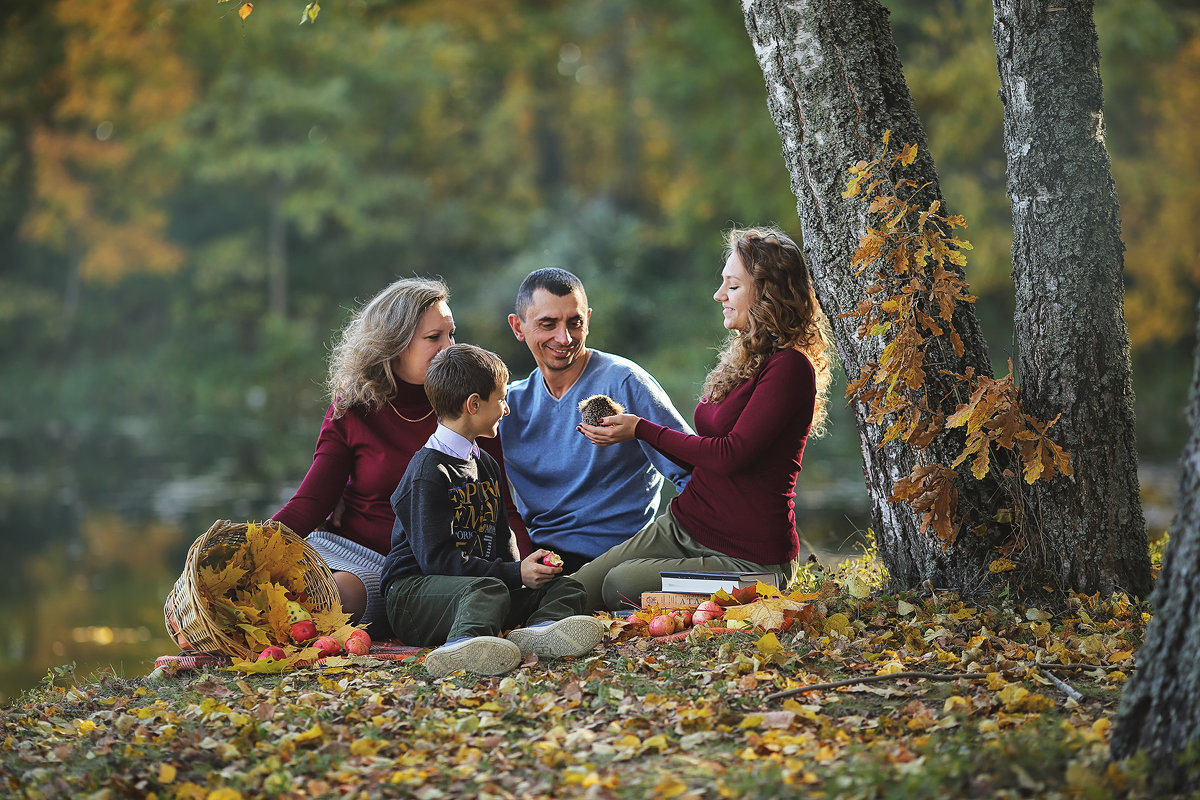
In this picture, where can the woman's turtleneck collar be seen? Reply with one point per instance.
(411, 395)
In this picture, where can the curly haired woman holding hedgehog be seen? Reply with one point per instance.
(759, 405)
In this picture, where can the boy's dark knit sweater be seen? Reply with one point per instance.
(451, 520)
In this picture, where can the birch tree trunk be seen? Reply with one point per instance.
(834, 86)
(1160, 710)
(1067, 266)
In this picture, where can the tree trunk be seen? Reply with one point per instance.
(834, 86)
(1067, 263)
(1160, 711)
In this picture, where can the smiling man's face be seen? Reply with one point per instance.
(555, 329)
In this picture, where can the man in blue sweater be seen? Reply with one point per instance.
(575, 498)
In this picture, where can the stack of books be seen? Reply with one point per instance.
(688, 589)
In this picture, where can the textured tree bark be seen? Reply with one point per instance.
(834, 86)
(1160, 710)
(1067, 263)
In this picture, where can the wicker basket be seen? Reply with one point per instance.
(187, 614)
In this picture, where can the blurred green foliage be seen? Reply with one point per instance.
(190, 204)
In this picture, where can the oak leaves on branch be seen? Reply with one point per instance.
(917, 261)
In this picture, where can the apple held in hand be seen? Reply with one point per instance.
(552, 560)
(272, 652)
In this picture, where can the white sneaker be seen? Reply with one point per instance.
(572, 636)
(485, 655)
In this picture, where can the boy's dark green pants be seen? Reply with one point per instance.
(430, 610)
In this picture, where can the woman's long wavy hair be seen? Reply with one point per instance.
(360, 369)
(784, 314)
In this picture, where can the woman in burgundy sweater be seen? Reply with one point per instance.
(378, 419)
(759, 405)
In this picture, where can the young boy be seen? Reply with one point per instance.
(453, 574)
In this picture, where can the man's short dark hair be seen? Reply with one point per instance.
(460, 371)
(554, 280)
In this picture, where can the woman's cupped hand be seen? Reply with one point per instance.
(611, 430)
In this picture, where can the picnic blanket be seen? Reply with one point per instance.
(185, 660)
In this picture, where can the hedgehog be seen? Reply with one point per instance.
(598, 406)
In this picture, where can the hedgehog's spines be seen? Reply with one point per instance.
(597, 407)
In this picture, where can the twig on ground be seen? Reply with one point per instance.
(930, 676)
(1063, 686)
(937, 676)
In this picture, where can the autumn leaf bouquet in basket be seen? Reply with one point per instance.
(260, 594)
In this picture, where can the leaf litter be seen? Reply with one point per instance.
(820, 692)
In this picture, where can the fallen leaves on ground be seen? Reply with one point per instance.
(638, 718)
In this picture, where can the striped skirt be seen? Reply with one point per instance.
(343, 555)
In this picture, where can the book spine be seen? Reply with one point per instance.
(672, 600)
(698, 587)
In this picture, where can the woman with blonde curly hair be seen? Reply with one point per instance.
(378, 417)
(759, 405)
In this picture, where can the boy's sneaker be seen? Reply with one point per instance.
(485, 655)
(572, 636)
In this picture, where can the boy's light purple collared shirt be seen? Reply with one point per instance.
(451, 443)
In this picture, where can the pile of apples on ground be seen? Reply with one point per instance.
(669, 622)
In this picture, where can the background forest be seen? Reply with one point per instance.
(190, 205)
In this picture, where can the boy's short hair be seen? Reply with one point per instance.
(460, 371)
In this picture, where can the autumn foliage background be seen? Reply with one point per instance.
(190, 205)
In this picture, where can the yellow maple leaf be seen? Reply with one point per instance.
(343, 633)
(767, 590)
(330, 621)
(760, 614)
(276, 557)
(366, 747)
(272, 599)
(669, 787)
(313, 734)
(1017, 698)
(256, 637)
(219, 582)
(769, 644)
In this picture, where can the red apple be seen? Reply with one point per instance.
(357, 647)
(552, 560)
(359, 633)
(712, 607)
(272, 652)
(303, 631)
(700, 617)
(682, 618)
(327, 646)
(662, 625)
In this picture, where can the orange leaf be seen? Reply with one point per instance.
(245, 10)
